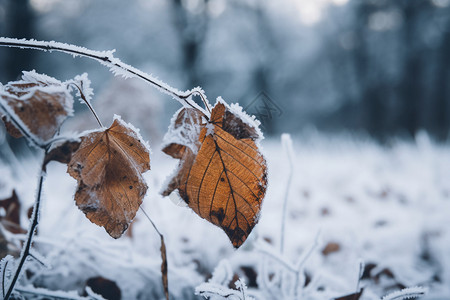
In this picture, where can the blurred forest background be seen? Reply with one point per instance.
(371, 66)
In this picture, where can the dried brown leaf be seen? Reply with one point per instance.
(40, 102)
(11, 219)
(62, 153)
(224, 182)
(353, 296)
(104, 287)
(7, 247)
(11, 129)
(331, 247)
(165, 279)
(108, 166)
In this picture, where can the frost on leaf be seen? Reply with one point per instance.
(183, 132)
(223, 179)
(108, 166)
(37, 104)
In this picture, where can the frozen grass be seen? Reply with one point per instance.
(388, 207)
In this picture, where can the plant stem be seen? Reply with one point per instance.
(164, 270)
(116, 66)
(148, 217)
(33, 225)
(287, 145)
(89, 105)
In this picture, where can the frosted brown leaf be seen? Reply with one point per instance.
(108, 166)
(225, 181)
(41, 105)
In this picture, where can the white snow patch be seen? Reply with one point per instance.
(209, 129)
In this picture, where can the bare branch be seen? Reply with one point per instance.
(115, 65)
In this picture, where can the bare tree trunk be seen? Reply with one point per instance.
(441, 89)
(191, 31)
(411, 88)
(19, 24)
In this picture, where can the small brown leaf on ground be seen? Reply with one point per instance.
(11, 219)
(354, 296)
(331, 247)
(108, 166)
(41, 104)
(222, 175)
(104, 287)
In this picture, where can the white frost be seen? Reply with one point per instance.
(407, 293)
(185, 134)
(135, 132)
(236, 109)
(84, 84)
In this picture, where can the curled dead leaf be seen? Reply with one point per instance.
(164, 270)
(11, 219)
(108, 166)
(62, 153)
(104, 287)
(37, 104)
(222, 175)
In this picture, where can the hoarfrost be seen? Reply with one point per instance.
(84, 87)
(6, 270)
(223, 273)
(106, 58)
(46, 84)
(236, 109)
(407, 293)
(135, 132)
(185, 134)
(209, 129)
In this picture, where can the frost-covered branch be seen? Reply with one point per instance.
(408, 293)
(115, 65)
(288, 148)
(62, 295)
(34, 221)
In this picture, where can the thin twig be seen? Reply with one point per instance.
(88, 104)
(287, 145)
(205, 102)
(148, 217)
(47, 294)
(301, 263)
(362, 265)
(106, 58)
(164, 269)
(274, 256)
(33, 224)
(37, 259)
(4, 278)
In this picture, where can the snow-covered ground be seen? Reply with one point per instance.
(383, 209)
